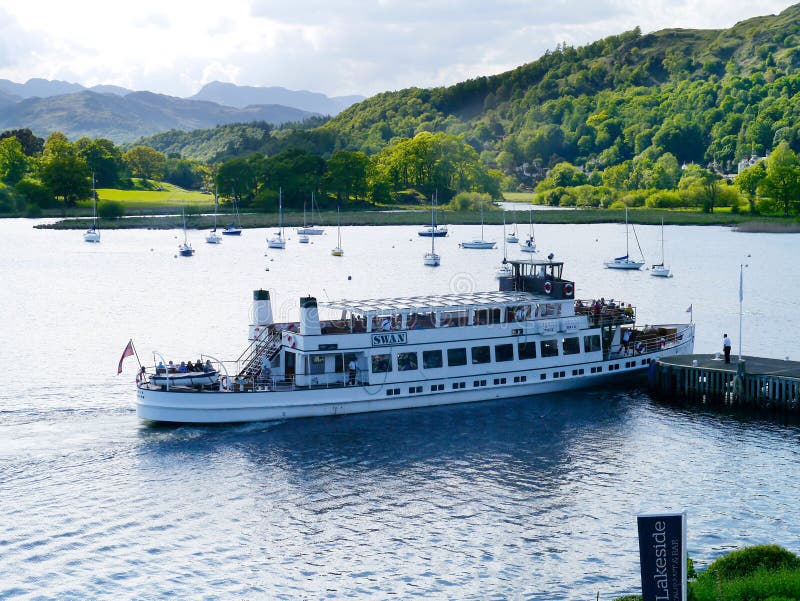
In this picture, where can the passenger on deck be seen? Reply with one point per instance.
(387, 324)
(190, 366)
(208, 367)
(182, 368)
(266, 372)
(352, 368)
(160, 368)
(520, 315)
(171, 367)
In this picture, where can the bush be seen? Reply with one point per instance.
(635, 198)
(33, 211)
(36, 193)
(467, 201)
(617, 205)
(110, 209)
(744, 562)
(665, 199)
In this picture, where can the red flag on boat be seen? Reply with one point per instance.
(128, 352)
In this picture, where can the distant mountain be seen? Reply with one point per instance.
(106, 89)
(7, 99)
(41, 88)
(241, 96)
(126, 118)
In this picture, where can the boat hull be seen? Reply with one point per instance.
(482, 245)
(624, 264)
(185, 379)
(232, 232)
(188, 406)
(310, 231)
(92, 236)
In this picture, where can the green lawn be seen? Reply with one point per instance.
(519, 196)
(168, 196)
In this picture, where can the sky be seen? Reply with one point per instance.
(336, 47)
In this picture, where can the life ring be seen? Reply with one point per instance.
(291, 341)
(568, 289)
(548, 287)
(640, 347)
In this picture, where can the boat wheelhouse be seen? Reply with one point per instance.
(531, 336)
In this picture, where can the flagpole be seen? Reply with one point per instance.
(741, 296)
(135, 353)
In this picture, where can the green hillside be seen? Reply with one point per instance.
(702, 95)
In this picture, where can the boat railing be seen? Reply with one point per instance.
(651, 339)
(288, 383)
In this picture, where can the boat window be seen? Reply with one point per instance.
(316, 364)
(591, 343)
(406, 361)
(571, 346)
(504, 352)
(549, 348)
(526, 350)
(480, 354)
(381, 363)
(456, 357)
(431, 359)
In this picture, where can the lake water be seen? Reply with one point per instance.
(530, 498)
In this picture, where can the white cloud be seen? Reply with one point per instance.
(344, 47)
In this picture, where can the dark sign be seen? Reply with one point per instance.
(662, 554)
(389, 338)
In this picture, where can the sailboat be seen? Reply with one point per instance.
(309, 230)
(213, 237)
(504, 269)
(512, 237)
(185, 249)
(529, 245)
(625, 262)
(479, 242)
(93, 233)
(338, 252)
(433, 230)
(277, 240)
(660, 270)
(431, 259)
(234, 228)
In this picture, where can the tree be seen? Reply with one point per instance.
(145, 162)
(710, 183)
(782, 182)
(31, 145)
(67, 177)
(104, 160)
(13, 162)
(346, 174)
(236, 179)
(749, 180)
(63, 171)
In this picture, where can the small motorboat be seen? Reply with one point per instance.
(192, 378)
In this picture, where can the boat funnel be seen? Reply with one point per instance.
(262, 314)
(309, 316)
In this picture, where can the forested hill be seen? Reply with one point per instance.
(701, 95)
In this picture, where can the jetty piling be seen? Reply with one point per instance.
(754, 382)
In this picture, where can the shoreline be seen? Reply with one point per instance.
(421, 218)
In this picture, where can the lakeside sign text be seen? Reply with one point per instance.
(662, 554)
(389, 338)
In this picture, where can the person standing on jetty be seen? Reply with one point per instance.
(726, 347)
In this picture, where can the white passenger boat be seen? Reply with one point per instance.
(531, 336)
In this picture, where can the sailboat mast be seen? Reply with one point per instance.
(504, 236)
(627, 252)
(481, 220)
(662, 241)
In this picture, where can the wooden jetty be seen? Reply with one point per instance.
(753, 382)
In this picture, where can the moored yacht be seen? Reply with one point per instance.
(531, 336)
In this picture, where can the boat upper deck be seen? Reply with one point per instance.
(437, 302)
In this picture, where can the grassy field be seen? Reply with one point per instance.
(519, 196)
(167, 197)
